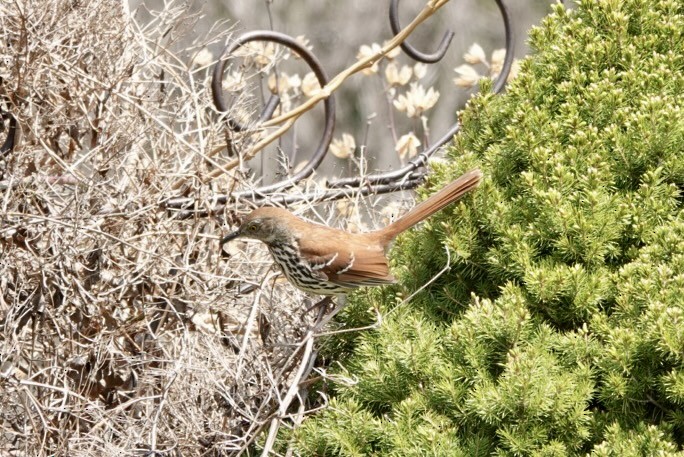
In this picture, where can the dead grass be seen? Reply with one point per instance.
(122, 329)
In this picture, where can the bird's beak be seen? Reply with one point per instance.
(230, 236)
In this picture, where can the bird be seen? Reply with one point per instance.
(327, 261)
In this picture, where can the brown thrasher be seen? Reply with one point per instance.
(328, 261)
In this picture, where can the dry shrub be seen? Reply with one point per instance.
(122, 331)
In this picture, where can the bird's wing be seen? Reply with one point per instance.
(356, 261)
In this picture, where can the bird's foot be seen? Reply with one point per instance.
(321, 304)
(325, 313)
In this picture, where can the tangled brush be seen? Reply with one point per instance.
(122, 329)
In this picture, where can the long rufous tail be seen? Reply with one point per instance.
(450, 193)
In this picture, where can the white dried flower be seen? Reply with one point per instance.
(416, 100)
(344, 147)
(303, 42)
(261, 53)
(366, 51)
(310, 84)
(284, 81)
(475, 55)
(467, 76)
(234, 82)
(203, 59)
(407, 146)
(420, 70)
(343, 208)
(397, 77)
(498, 58)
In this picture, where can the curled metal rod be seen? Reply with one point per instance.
(8, 144)
(422, 158)
(508, 60)
(269, 108)
(328, 104)
(381, 178)
(407, 177)
(217, 89)
(409, 49)
(314, 197)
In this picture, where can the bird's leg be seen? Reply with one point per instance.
(323, 319)
(319, 318)
(321, 304)
(341, 303)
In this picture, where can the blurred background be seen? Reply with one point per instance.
(365, 104)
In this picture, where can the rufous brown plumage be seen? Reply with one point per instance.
(329, 261)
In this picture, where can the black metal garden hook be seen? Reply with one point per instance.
(8, 144)
(409, 49)
(271, 105)
(407, 177)
(408, 172)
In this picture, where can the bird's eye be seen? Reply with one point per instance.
(252, 228)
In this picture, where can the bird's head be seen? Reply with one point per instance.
(264, 224)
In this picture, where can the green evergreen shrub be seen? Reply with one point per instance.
(559, 327)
